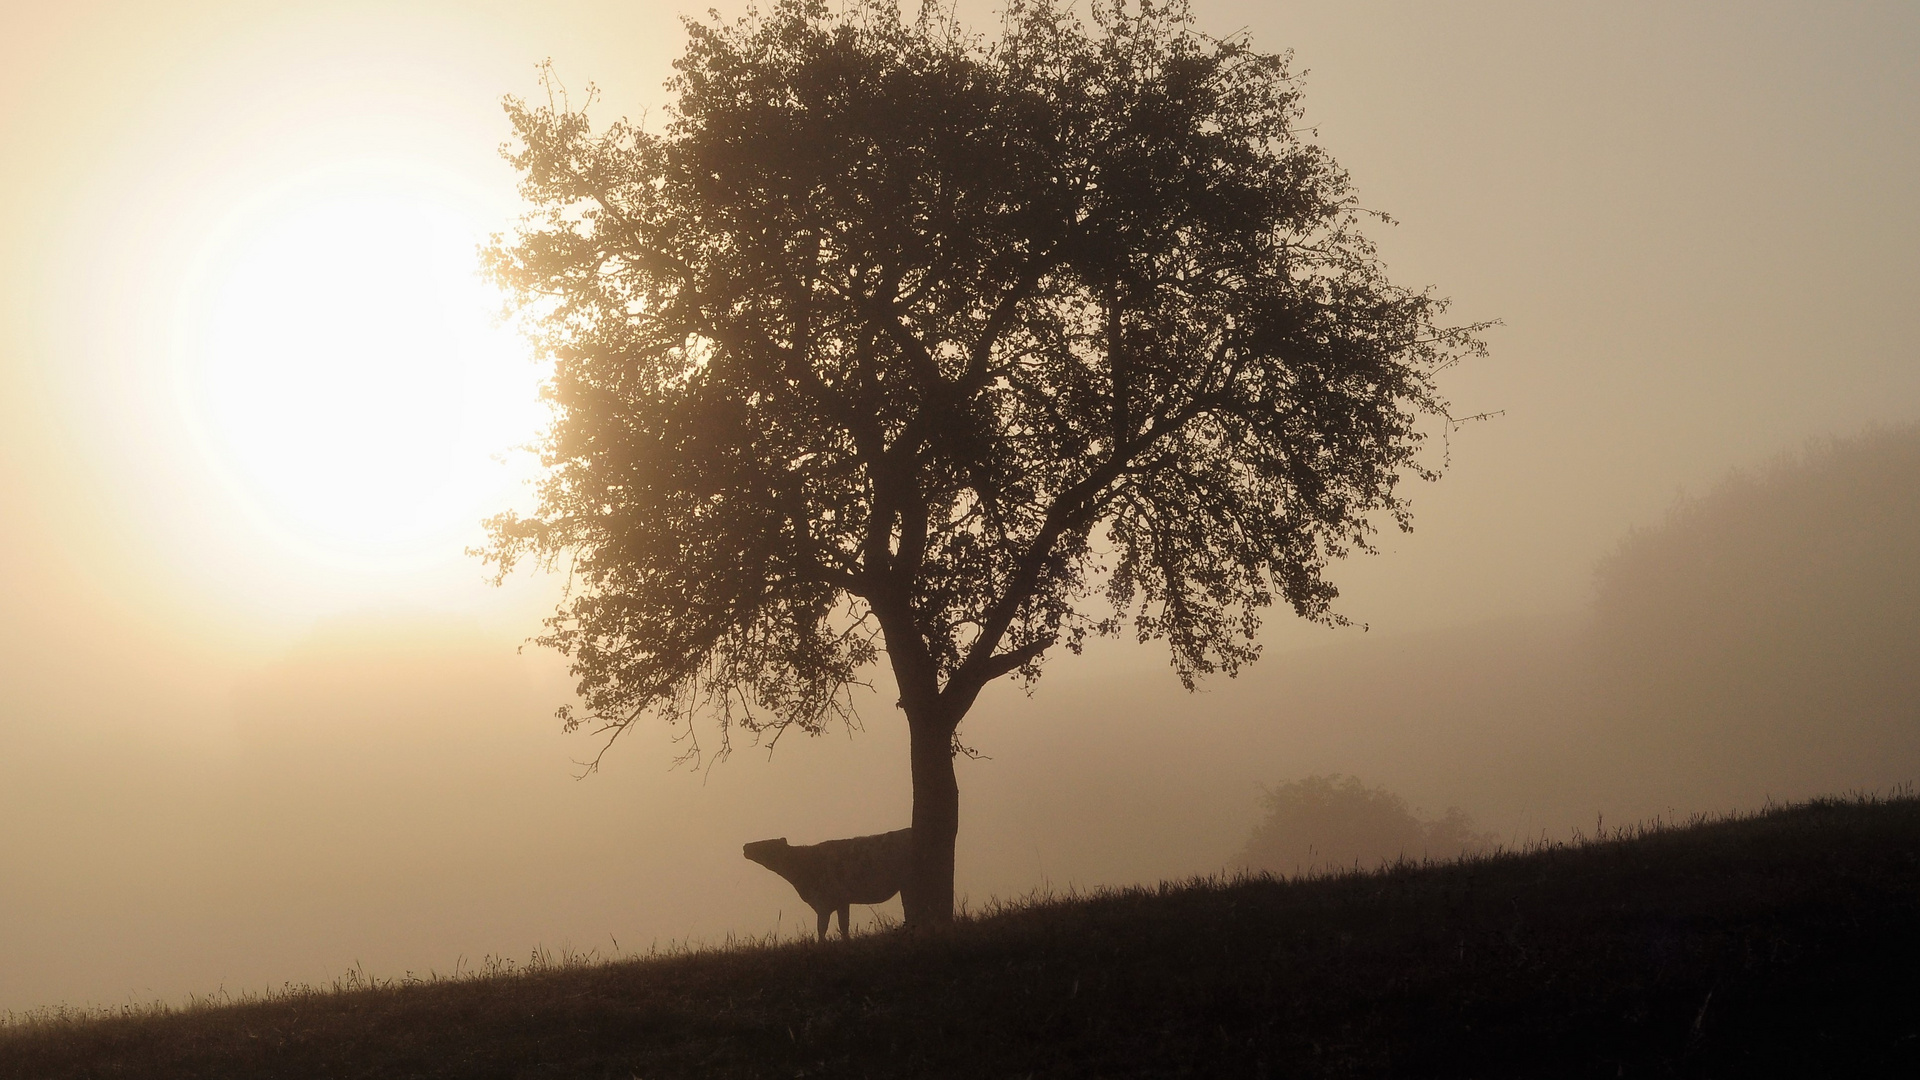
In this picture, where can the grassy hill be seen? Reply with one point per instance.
(1782, 944)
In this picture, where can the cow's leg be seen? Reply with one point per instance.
(846, 932)
(826, 917)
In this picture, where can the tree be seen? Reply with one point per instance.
(1335, 822)
(894, 341)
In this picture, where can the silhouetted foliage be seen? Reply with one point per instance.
(1337, 823)
(895, 338)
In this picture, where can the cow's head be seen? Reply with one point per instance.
(766, 852)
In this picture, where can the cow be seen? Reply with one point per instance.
(836, 874)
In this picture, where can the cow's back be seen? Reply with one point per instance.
(866, 869)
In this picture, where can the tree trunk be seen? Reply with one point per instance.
(936, 824)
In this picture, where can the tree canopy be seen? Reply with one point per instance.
(894, 340)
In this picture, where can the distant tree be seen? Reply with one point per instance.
(1335, 823)
(896, 340)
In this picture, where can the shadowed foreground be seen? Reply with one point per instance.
(1779, 944)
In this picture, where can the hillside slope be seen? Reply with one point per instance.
(1782, 944)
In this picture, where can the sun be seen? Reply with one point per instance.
(341, 366)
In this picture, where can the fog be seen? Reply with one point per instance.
(387, 794)
(1655, 585)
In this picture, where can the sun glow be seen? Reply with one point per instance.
(339, 362)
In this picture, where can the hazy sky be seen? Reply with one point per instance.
(250, 392)
(1694, 220)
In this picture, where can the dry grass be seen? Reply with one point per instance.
(1783, 943)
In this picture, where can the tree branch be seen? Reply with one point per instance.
(1015, 660)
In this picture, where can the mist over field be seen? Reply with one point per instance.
(388, 793)
(262, 721)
